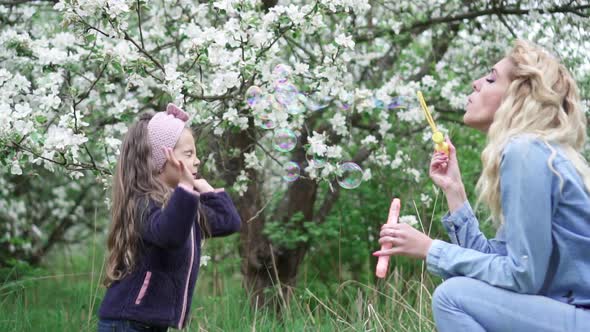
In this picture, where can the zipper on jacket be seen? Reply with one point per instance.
(144, 287)
(188, 276)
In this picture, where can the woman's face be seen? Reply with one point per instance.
(487, 95)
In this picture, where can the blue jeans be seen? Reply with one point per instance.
(112, 325)
(467, 304)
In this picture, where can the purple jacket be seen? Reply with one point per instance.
(160, 289)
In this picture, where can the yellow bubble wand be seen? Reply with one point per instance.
(437, 136)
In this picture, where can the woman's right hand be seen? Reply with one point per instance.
(445, 173)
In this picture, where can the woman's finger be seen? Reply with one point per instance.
(394, 241)
(439, 158)
(387, 252)
(390, 226)
(389, 232)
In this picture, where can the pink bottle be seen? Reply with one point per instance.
(383, 261)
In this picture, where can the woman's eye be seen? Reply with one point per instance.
(489, 80)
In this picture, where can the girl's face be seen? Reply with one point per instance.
(184, 151)
(487, 95)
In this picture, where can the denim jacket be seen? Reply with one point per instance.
(160, 289)
(543, 246)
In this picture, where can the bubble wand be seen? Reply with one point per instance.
(437, 136)
(383, 261)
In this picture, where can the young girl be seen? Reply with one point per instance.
(535, 275)
(161, 211)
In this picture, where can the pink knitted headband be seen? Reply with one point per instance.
(164, 130)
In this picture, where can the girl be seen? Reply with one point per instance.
(161, 211)
(535, 275)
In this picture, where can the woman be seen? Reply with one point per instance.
(535, 275)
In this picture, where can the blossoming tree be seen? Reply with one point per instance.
(75, 73)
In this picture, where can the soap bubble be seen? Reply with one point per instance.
(281, 73)
(315, 160)
(284, 140)
(286, 94)
(265, 121)
(295, 108)
(312, 104)
(253, 95)
(350, 175)
(378, 103)
(396, 103)
(291, 171)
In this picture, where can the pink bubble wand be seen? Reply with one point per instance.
(383, 261)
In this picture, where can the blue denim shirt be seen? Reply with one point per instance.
(543, 246)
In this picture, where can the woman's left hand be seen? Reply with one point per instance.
(405, 240)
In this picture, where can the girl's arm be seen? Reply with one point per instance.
(169, 227)
(221, 214)
(529, 191)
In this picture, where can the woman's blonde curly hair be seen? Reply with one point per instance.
(542, 100)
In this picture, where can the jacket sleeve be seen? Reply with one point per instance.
(463, 230)
(169, 227)
(528, 194)
(221, 213)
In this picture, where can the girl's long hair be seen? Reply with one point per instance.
(542, 100)
(135, 182)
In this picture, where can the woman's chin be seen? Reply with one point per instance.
(467, 120)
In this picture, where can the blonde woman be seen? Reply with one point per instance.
(535, 274)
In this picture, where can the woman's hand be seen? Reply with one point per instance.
(445, 173)
(184, 174)
(405, 240)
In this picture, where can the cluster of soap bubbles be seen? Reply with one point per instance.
(284, 97)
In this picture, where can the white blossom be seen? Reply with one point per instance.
(409, 219)
(339, 124)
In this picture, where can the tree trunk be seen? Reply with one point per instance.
(266, 266)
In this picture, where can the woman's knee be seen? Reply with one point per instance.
(448, 293)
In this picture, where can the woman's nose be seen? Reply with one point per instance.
(476, 85)
(197, 162)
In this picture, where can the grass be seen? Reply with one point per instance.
(65, 296)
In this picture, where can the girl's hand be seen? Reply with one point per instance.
(202, 186)
(184, 174)
(444, 171)
(405, 240)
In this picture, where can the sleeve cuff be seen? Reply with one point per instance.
(458, 218)
(435, 257)
(214, 194)
(188, 189)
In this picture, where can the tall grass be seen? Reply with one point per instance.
(65, 294)
(65, 297)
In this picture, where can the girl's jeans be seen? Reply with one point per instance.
(112, 325)
(467, 304)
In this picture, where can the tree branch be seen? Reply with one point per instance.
(30, 2)
(577, 10)
(139, 23)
